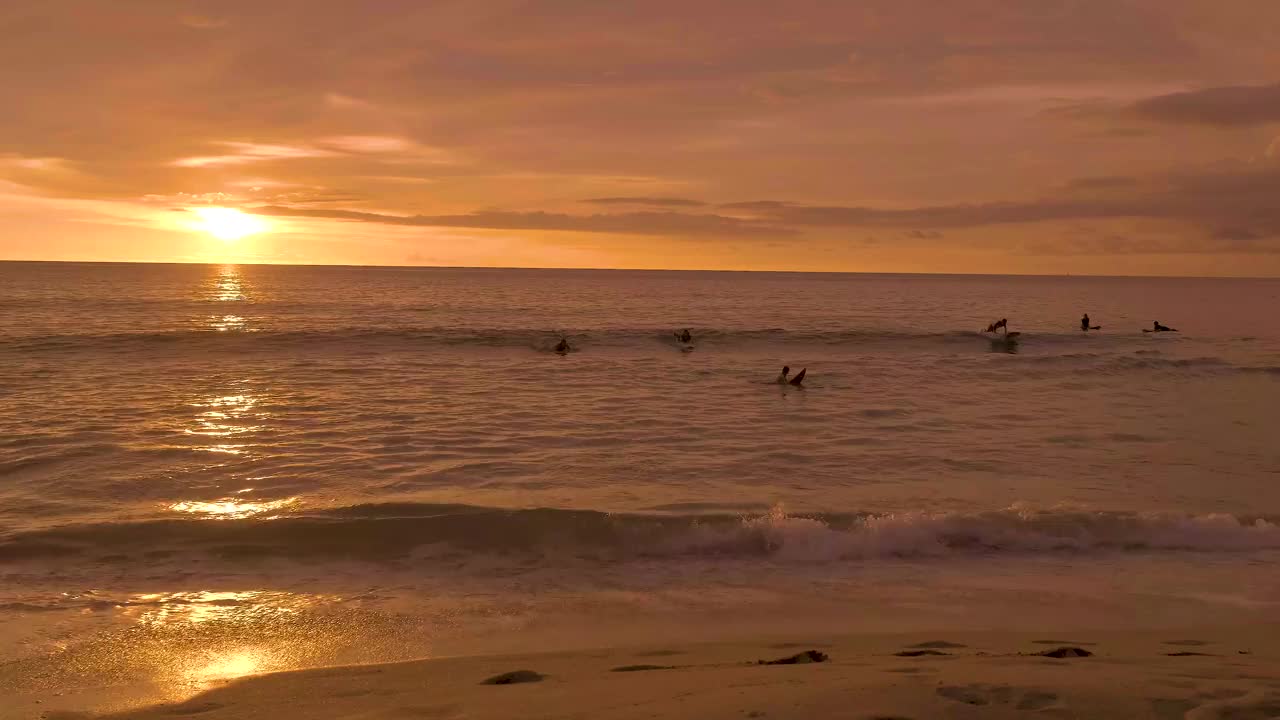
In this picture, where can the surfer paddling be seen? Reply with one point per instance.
(796, 381)
(1157, 327)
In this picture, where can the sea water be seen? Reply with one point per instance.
(211, 471)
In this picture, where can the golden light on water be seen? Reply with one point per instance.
(232, 509)
(228, 224)
(225, 423)
(227, 286)
(223, 323)
(228, 666)
(208, 605)
(209, 634)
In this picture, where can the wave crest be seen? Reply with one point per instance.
(383, 531)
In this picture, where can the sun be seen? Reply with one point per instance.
(228, 223)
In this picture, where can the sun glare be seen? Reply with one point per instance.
(228, 223)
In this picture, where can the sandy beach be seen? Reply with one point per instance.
(1193, 674)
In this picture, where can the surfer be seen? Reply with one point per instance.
(797, 381)
(1157, 327)
(684, 337)
(1001, 323)
(1084, 322)
(563, 347)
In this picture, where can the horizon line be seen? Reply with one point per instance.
(617, 269)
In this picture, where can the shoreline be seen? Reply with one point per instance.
(1198, 672)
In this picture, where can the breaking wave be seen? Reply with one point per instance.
(373, 532)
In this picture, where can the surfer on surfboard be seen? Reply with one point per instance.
(684, 336)
(1157, 327)
(796, 381)
(1001, 323)
(1085, 326)
(563, 347)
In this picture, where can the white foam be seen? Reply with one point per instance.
(1015, 530)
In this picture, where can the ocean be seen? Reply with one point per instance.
(211, 471)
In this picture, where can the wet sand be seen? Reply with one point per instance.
(1184, 673)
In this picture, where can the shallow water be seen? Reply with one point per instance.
(250, 468)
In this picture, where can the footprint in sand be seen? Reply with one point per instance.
(979, 694)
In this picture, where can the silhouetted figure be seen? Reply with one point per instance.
(563, 347)
(997, 325)
(684, 337)
(1157, 327)
(1084, 322)
(797, 381)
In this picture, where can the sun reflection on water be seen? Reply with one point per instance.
(227, 286)
(168, 645)
(225, 417)
(231, 509)
(225, 323)
(216, 636)
(228, 666)
(203, 606)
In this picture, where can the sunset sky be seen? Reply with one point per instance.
(1018, 136)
